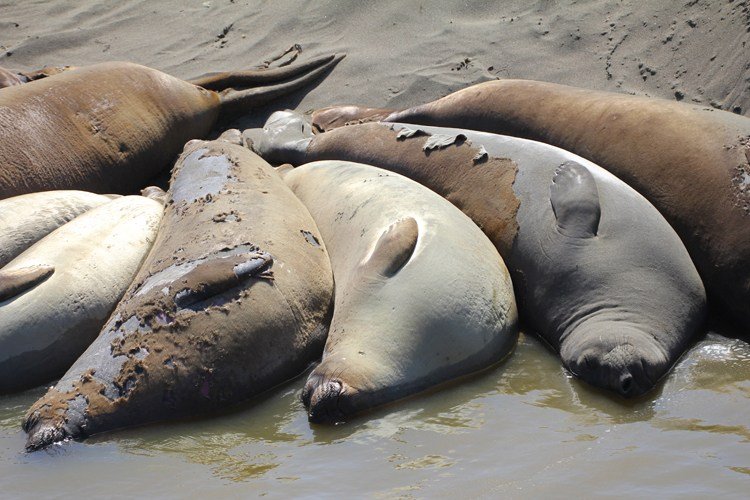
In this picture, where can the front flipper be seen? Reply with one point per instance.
(215, 276)
(575, 201)
(284, 138)
(393, 249)
(16, 281)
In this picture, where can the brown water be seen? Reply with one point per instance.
(522, 430)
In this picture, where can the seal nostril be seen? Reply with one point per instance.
(626, 384)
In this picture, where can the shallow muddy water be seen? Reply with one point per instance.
(524, 429)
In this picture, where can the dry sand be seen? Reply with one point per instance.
(402, 53)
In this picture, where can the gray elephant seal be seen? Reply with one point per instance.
(26, 219)
(233, 299)
(111, 127)
(692, 162)
(55, 296)
(422, 296)
(597, 270)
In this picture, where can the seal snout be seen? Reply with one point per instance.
(326, 399)
(628, 364)
(46, 426)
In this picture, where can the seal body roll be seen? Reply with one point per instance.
(597, 270)
(691, 162)
(26, 219)
(57, 295)
(233, 299)
(422, 296)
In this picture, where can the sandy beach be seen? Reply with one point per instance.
(524, 430)
(404, 53)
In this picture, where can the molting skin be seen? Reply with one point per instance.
(579, 243)
(233, 299)
(691, 162)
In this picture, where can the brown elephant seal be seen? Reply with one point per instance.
(597, 270)
(26, 219)
(10, 78)
(111, 127)
(233, 299)
(422, 296)
(57, 295)
(691, 162)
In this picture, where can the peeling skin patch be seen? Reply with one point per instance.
(407, 132)
(481, 155)
(218, 275)
(201, 176)
(741, 181)
(311, 239)
(173, 273)
(231, 216)
(439, 141)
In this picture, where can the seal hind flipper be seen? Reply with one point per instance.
(394, 248)
(235, 102)
(16, 281)
(219, 81)
(575, 201)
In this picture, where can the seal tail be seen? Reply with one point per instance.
(235, 102)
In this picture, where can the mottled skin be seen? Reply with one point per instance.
(232, 300)
(66, 286)
(110, 127)
(26, 219)
(597, 271)
(691, 162)
(422, 296)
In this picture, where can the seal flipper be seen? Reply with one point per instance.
(15, 281)
(575, 201)
(219, 275)
(393, 249)
(236, 102)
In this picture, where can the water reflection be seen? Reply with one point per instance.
(523, 427)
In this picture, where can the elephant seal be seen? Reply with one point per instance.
(692, 162)
(422, 296)
(26, 219)
(233, 299)
(597, 270)
(111, 127)
(56, 296)
(10, 78)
